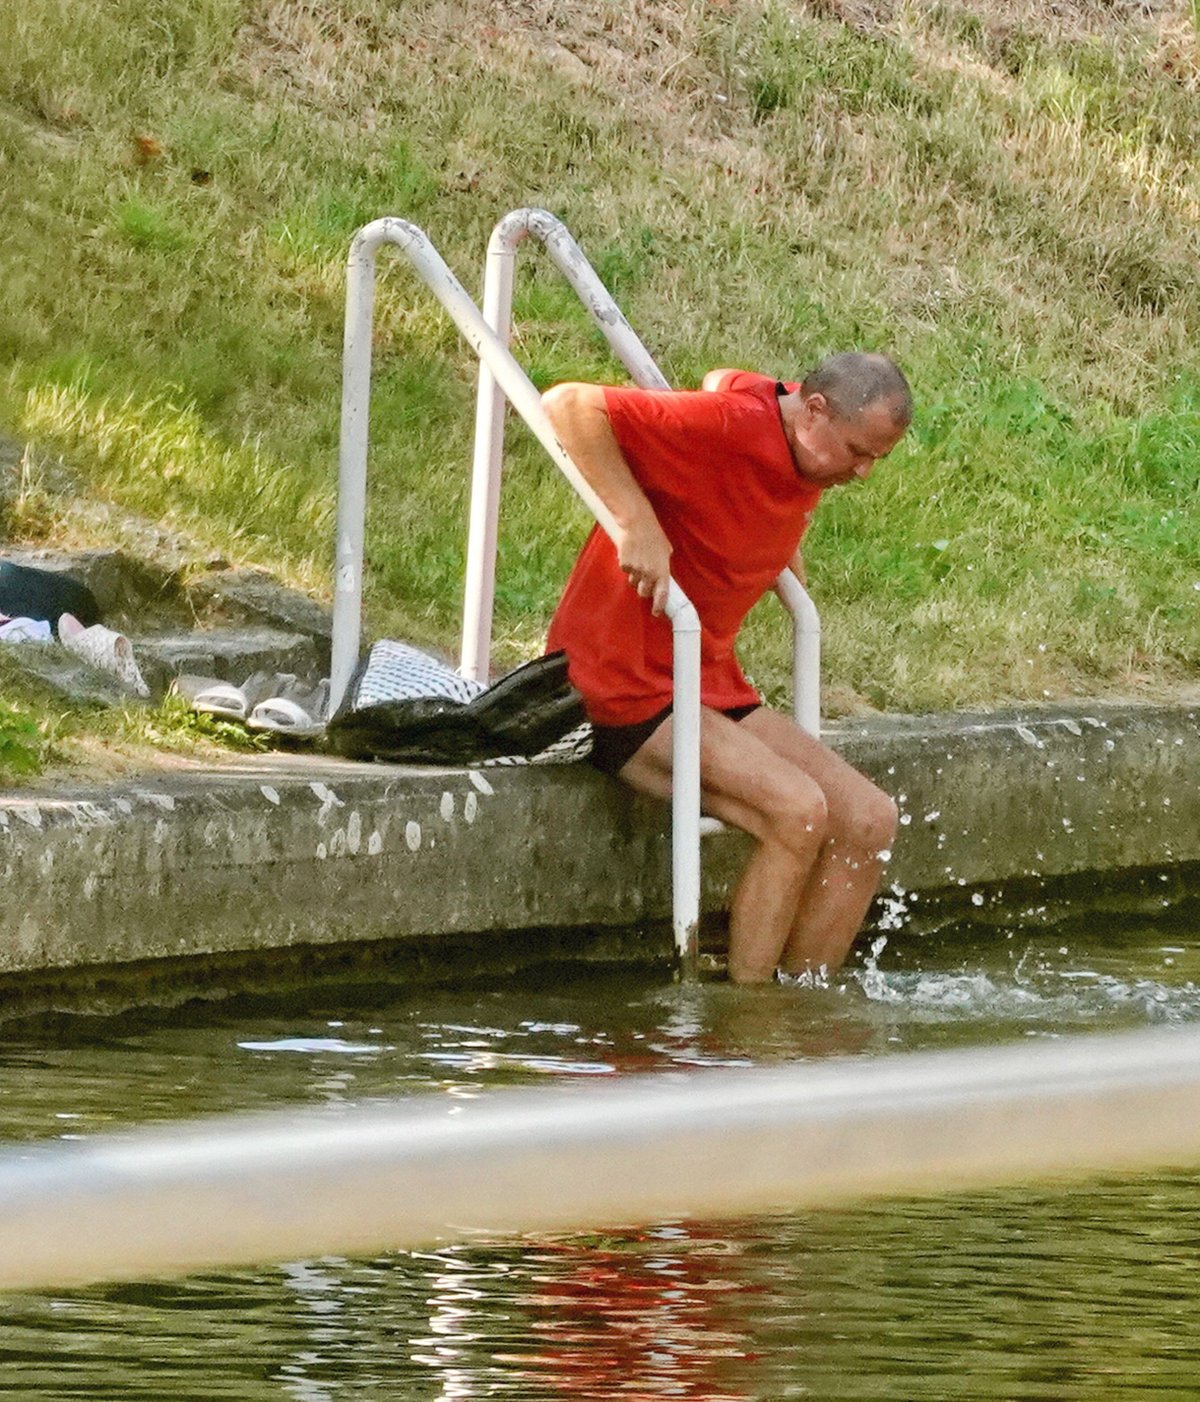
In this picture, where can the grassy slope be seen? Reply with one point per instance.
(1004, 194)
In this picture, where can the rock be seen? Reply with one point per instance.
(230, 655)
(255, 595)
(125, 588)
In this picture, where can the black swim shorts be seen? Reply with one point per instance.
(613, 746)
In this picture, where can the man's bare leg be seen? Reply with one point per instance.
(860, 833)
(821, 829)
(744, 782)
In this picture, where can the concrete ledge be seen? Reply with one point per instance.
(987, 798)
(283, 851)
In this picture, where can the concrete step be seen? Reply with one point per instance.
(1015, 820)
(252, 597)
(182, 615)
(229, 654)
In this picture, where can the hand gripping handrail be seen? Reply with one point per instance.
(625, 344)
(351, 519)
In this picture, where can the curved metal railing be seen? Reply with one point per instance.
(516, 386)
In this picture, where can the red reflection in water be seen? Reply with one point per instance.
(645, 1323)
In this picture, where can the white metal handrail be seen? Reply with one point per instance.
(367, 1178)
(516, 386)
(479, 595)
(806, 652)
(479, 598)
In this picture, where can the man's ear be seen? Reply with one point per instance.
(817, 405)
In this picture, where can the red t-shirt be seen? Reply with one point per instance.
(719, 475)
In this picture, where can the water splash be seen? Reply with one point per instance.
(810, 978)
(895, 907)
(1058, 999)
(871, 978)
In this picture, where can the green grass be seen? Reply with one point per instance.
(1004, 197)
(39, 732)
(22, 743)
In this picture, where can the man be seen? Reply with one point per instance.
(717, 487)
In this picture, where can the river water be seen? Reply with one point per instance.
(1080, 1292)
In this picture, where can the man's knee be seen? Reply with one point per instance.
(869, 821)
(797, 814)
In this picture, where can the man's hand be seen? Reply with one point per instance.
(644, 555)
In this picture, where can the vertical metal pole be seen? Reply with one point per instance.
(479, 591)
(806, 652)
(513, 382)
(685, 782)
(352, 467)
(481, 549)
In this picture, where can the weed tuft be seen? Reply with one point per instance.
(22, 744)
(148, 227)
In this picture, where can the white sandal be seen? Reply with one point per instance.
(283, 717)
(296, 708)
(209, 696)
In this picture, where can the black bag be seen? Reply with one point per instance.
(26, 592)
(531, 707)
(405, 706)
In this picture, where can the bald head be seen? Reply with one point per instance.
(852, 380)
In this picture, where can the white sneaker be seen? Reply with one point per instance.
(104, 649)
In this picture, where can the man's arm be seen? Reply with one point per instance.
(712, 379)
(796, 565)
(579, 417)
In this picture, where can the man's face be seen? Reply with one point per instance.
(831, 449)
